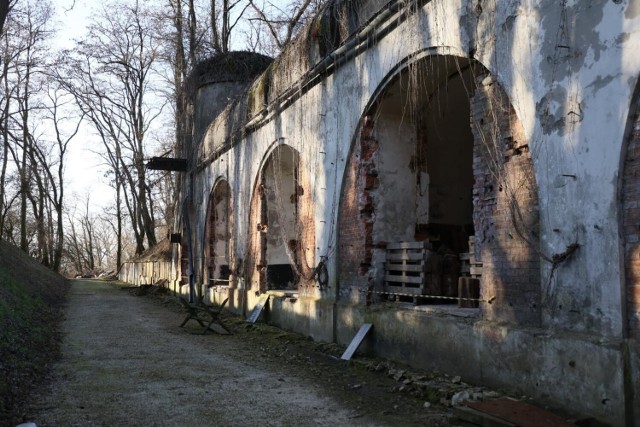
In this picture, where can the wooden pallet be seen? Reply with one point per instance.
(411, 268)
(469, 265)
(469, 283)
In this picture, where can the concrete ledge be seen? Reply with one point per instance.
(306, 315)
(581, 373)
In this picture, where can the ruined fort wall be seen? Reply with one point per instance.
(568, 71)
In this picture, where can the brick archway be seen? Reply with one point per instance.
(281, 249)
(440, 156)
(218, 244)
(630, 206)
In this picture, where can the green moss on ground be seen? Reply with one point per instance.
(31, 303)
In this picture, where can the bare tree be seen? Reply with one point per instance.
(224, 17)
(59, 120)
(7, 57)
(111, 77)
(80, 240)
(90, 242)
(23, 60)
(280, 23)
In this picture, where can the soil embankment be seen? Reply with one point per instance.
(31, 305)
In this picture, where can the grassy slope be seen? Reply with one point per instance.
(31, 302)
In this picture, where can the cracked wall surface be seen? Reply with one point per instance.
(567, 73)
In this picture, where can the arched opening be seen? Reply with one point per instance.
(440, 162)
(282, 241)
(218, 242)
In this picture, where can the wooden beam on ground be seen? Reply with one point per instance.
(356, 341)
(258, 308)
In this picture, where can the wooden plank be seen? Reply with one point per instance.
(468, 287)
(403, 290)
(475, 271)
(409, 268)
(407, 245)
(417, 280)
(258, 308)
(475, 418)
(404, 256)
(519, 413)
(356, 341)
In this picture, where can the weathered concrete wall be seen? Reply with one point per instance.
(146, 272)
(569, 71)
(210, 100)
(310, 316)
(582, 70)
(553, 366)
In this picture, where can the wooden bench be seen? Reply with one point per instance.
(210, 314)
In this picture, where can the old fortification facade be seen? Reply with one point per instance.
(504, 136)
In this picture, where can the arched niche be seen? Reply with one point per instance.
(218, 244)
(281, 250)
(440, 157)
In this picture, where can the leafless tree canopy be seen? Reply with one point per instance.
(119, 92)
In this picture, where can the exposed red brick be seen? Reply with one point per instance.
(511, 269)
(503, 173)
(631, 227)
(357, 205)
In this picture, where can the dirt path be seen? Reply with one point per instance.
(125, 361)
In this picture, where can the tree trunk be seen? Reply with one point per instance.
(119, 223)
(24, 189)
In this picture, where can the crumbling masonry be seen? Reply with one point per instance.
(501, 139)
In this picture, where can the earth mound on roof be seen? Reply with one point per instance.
(229, 67)
(160, 252)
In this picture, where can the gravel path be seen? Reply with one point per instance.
(126, 362)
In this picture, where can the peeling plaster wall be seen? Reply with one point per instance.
(569, 70)
(395, 210)
(210, 101)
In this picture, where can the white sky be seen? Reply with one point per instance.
(83, 174)
(84, 171)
